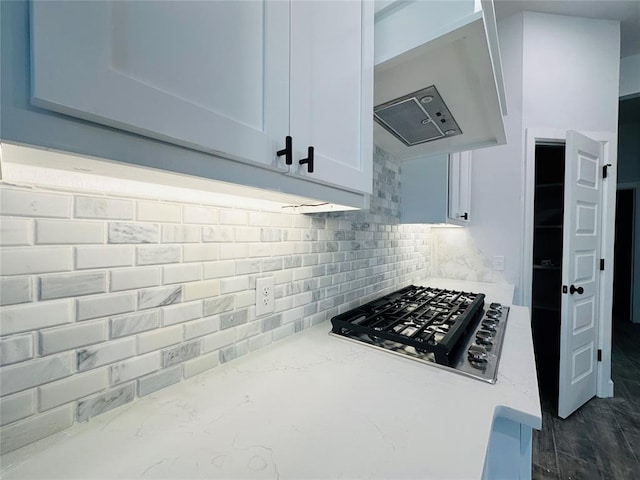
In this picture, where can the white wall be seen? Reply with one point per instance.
(630, 75)
(560, 73)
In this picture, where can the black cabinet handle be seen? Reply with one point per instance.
(308, 160)
(465, 216)
(287, 151)
(573, 290)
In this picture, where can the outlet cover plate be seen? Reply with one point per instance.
(265, 294)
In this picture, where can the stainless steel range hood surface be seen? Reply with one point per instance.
(416, 118)
(461, 73)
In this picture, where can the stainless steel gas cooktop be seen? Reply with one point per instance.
(444, 328)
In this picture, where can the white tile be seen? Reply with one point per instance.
(78, 386)
(160, 338)
(260, 250)
(25, 261)
(218, 340)
(245, 299)
(157, 254)
(18, 406)
(199, 253)
(36, 427)
(16, 231)
(101, 207)
(220, 269)
(180, 234)
(181, 273)
(156, 381)
(229, 216)
(15, 290)
(23, 318)
(104, 305)
(135, 367)
(233, 251)
(181, 313)
(105, 353)
(16, 348)
(244, 267)
(198, 214)
(68, 337)
(72, 285)
(230, 285)
(51, 232)
(200, 327)
(159, 296)
(158, 212)
(200, 364)
(120, 232)
(198, 290)
(34, 204)
(260, 341)
(104, 257)
(217, 233)
(22, 376)
(247, 234)
(132, 278)
(138, 322)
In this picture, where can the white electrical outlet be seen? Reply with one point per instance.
(265, 292)
(498, 262)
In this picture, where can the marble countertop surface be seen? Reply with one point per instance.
(310, 406)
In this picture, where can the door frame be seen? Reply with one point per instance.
(609, 140)
(635, 273)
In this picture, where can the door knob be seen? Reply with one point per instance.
(573, 290)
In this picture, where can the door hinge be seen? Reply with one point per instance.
(602, 264)
(599, 355)
(565, 289)
(604, 170)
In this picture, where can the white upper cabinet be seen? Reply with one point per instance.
(229, 78)
(332, 91)
(211, 76)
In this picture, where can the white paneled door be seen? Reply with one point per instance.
(580, 272)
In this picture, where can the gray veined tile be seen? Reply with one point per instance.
(133, 233)
(130, 324)
(158, 297)
(92, 406)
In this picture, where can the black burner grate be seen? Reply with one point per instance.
(431, 320)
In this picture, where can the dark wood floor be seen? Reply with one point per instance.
(602, 439)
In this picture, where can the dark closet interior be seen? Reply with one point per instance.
(547, 265)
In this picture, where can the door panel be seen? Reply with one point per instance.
(212, 76)
(581, 250)
(332, 91)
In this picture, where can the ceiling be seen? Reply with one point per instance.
(625, 11)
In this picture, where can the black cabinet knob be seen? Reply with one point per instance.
(573, 290)
(308, 160)
(464, 216)
(287, 151)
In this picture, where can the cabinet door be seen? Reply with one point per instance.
(332, 91)
(460, 187)
(212, 76)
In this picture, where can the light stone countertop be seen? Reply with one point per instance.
(310, 406)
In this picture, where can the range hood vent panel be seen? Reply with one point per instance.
(418, 117)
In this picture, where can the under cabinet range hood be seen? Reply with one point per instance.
(437, 89)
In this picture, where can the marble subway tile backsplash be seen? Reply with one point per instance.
(107, 299)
